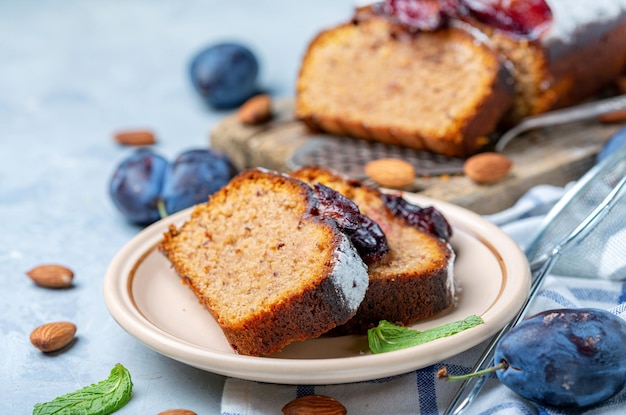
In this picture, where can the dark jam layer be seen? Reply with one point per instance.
(525, 18)
(427, 219)
(365, 234)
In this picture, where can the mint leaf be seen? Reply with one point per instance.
(387, 337)
(102, 398)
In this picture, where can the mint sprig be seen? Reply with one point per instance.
(102, 398)
(387, 337)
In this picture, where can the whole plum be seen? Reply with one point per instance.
(193, 176)
(145, 187)
(565, 357)
(135, 187)
(225, 74)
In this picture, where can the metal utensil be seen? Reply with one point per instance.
(577, 113)
(578, 223)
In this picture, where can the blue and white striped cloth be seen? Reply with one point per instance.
(420, 392)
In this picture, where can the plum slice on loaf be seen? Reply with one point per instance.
(266, 264)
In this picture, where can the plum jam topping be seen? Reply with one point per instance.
(526, 18)
(365, 234)
(522, 17)
(426, 15)
(427, 219)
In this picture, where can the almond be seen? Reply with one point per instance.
(390, 172)
(314, 404)
(52, 276)
(135, 138)
(256, 110)
(613, 117)
(177, 412)
(485, 168)
(53, 336)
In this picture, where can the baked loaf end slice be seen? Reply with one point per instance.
(268, 268)
(441, 91)
(582, 52)
(414, 281)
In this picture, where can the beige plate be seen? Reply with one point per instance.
(147, 299)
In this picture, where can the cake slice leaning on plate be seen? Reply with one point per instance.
(265, 262)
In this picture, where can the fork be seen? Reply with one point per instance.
(580, 112)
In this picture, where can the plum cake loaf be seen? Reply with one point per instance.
(439, 91)
(414, 280)
(267, 264)
(441, 75)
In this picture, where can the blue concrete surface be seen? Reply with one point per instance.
(71, 74)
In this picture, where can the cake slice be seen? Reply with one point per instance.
(414, 280)
(266, 264)
(369, 78)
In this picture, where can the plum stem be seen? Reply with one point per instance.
(443, 372)
(162, 209)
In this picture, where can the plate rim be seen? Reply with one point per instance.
(323, 370)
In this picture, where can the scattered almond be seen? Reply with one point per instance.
(256, 110)
(53, 336)
(52, 276)
(390, 172)
(177, 412)
(314, 404)
(135, 138)
(485, 168)
(613, 117)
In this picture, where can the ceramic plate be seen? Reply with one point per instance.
(147, 299)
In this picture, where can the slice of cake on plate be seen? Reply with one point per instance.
(266, 264)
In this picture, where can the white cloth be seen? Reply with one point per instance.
(419, 392)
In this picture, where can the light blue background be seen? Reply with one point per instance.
(71, 74)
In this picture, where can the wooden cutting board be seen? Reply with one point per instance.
(555, 156)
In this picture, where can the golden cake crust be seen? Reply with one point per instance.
(544, 81)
